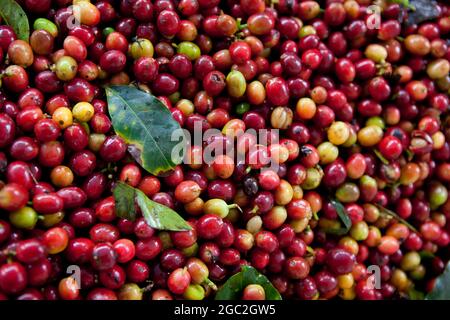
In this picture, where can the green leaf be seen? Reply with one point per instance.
(441, 289)
(147, 126)
(342, 213)
(14, 16)
(232, 289)
(159, 216)
(125, 204)
(422, 10)
(386, 212)
(156, 215)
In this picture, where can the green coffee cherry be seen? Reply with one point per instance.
(66, 68)
(47, 25)
(191, 50)
(313, 178)
(347, 192)
(96, 141)
(194, 292)
(218, 207)
(85, 126)
(242, 108)
(107, 31)
(165, 239)
(328, 152)
(438, 195)
(359, 231)
(141, 48)
(130, 291)
(190, 251)
(410, 261)
(375, 121)
(49, 220)
(175, 97)
(306, 31)
(418, 273)
(24, 218)
(236, 84)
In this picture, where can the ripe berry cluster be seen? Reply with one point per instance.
(363, 116)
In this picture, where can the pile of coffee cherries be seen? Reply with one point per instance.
(362, 112)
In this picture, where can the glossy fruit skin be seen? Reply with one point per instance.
(178, 281)
(277, 91)
(68, 289)
(209, 226)
(253, 292)
(47, 203)
(148, 249)
(340, 261)
(103, 256)
(13, 278)
(29, 251)
(113, 149)
(7, 130)
(16, 79)
(13, 197)
(361, 114)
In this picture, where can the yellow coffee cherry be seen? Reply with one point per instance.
(298, 192)
(438, 140)
(410, 261)
(299, 224)
(400, 280)
(338, 133)
(83, 111)
(348, 294)
(359, 231)
(376, 52)
(63, 117)
(345, 281)
(370, 136)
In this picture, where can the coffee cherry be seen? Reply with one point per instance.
(178, 281)
(13, 278)
(209, 226)
(24, 218)
(13, 197)
(68, 288)
(253, 292)
(55, 240)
